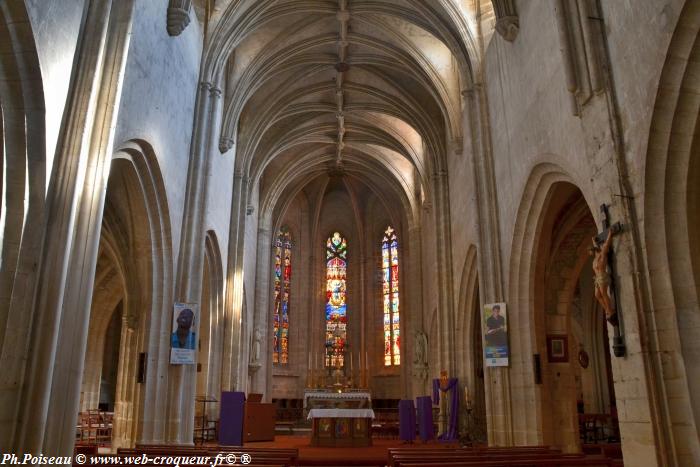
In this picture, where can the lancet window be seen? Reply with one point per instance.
(283, 277)
(390, 298)
(336, 306)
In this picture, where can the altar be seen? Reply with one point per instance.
(341, 427)
(320, 399)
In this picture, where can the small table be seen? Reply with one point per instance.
(341, 427)
(205, 431)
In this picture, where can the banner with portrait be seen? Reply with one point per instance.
(183, 337)
(495, 334)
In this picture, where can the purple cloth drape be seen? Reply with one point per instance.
(407, 420)
(424, 405)
(451, 433)
(231, 411)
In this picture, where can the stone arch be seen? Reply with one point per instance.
(561, 253)
(552, 236)
(211, 323)
(22, 191)
(470, 368)
(671, 202)
(133, 278)
(542, 201)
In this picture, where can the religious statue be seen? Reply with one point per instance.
(255, 353)
(602, 279)
(420, 355)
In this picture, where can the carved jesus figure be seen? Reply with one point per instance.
(602, 277)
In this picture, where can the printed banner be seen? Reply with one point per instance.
(183, 340)
(495, 332)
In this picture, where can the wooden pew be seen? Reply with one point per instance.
(419, 454)
(561, 462)
(259, 455)
(514, 456)
(611, 450)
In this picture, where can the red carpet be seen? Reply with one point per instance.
(315, 456)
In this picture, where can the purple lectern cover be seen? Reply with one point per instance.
(425, 417)
(232, 409)
(407, 420)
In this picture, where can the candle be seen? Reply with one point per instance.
(309, 359)
(466, 394)
(351, 362)
(366, 361)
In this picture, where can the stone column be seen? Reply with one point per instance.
(445, 284)
(262, 379)
(182, 381)
(413, 278)
(125, 400)
(235, 368)
(498, 406)
(75, 202)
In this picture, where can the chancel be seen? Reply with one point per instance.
(312, 231)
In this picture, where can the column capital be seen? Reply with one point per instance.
(178, 16)
(507, 21)
(225, 144)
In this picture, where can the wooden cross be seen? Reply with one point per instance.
(616, 227)
(605, 289)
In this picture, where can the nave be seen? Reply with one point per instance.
(338, 226)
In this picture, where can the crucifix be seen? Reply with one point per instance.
(604, 276)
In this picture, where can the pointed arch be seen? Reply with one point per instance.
(670, 228)
(390, 298)
(282, 293)
(336, 301)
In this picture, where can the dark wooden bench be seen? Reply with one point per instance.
(522, 456)
(611, 450)
(402, 455)
(528, 458)
(259, 455)
(563, 462)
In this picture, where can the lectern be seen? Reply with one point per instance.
(232, 410)
(259, 419)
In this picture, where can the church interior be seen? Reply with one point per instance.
(351, 232)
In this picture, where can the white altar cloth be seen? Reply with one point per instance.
(336, 396)
(340, 413)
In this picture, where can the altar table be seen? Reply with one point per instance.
(341, 427)
(320, 399)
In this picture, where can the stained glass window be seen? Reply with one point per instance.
(390, 298)
(283, 276)
(336, 307)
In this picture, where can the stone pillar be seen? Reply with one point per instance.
(497, 380)
(75, 202)
(124, 400)
(262, 379)
(413, 278)
(235, 368)
(446, 310)
(182, 382)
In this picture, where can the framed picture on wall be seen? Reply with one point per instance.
(557, 348)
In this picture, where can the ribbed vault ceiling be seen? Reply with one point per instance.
(368, 88)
